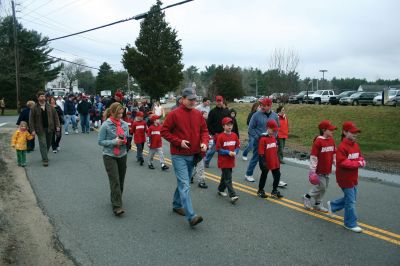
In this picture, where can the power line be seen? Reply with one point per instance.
(72, 62)
(137, 17)
(38, 7)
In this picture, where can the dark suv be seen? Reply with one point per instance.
(299, 98)
(335, 99)
(359, 98)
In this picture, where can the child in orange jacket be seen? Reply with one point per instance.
(19, 141)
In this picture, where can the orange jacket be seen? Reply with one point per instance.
(19, 139)
(284, 127)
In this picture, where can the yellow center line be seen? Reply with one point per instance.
(299, 207)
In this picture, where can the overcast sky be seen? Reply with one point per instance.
(353, 38)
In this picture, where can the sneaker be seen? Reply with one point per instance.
(164, 167)
(45, 163)
(307, 202)
(54, 151)
(195, 221)
(222, 193)
(276, 194)
(58, 148)
(180, 211)
(261, 194)
(282, 184)
(151, 166)
(234, 199)
(76, 131)
(249, 178)
(23, 164)
(244, 158)
(118, 211)
(320, 207)
(141, 161)
(330, 212)
(356, 229)
(203, 185)
(66, 133)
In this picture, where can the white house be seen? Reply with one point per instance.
(59, 86)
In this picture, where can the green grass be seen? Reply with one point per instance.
(379, 124)
(10, 112)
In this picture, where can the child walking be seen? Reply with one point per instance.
(154, 142)
(19, 142)
(269, 160)
(323, 155)
(139, 128)
(348, 160)
(227, 146)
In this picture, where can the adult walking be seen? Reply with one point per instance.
(186, 130)
(250, 144)
(113, 137)
(56, 138)
(158, 110)
(214, 123)
(70, 114)
(24, 116)
(283, 131)
(84, 107)
(43, 120)
(2, 105)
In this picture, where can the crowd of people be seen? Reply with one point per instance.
(195, 133)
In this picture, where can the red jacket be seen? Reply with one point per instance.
(139, 131)
(267, 146)
(347, 156)
(155, 136)
(283, 131)
(228, 142)
(323, 149)
(185, 124)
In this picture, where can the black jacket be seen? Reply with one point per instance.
(69, 107)
(215, 118)
(84, 107)
(24, 115)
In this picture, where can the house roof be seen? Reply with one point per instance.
(372, 88)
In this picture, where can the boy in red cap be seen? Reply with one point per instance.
(227, 146)
(139, 128)
(154, 142)
(348, 160)
(268, 160)
(323, 156)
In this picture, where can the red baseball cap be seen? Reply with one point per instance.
(154, 118)
(219, 98)
(226, 120)
(119, 94)
(266, 101)
(326, 125)
(128, 113)
(272, 124)
(140, 114)
(351, 127)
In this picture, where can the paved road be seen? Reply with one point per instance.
(73, 191)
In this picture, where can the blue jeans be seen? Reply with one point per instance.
(348, 203)
(85, 123)
(249, 146)
(254, 160)
(70, 119)
(183, 167)
(210, 153)
(139, 151)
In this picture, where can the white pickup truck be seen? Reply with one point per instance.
(320, 96)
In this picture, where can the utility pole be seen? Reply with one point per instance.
(16, 55)
(128, 82)
(256, 87)
(323, 75)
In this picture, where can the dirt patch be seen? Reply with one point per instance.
(26, 235)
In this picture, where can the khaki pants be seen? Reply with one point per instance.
(318, 191)
(116, 170)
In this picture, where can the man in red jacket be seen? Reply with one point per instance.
(186, 130)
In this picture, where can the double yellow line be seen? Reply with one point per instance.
(297, 206)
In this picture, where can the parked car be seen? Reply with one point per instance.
(246, 99)
(278, 97)
(320, 96)
(378, 99)
(359, 98)
(394, 101)
(299, 98)
(335, 99)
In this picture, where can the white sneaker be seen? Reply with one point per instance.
(330, 212)
(282, 184)
(54, 151)
(307, 202)
(76, 131)
(234, 199)
(249, 178)
(244, 158)
(58, 148)
(320, 207)
(222, 193)
(66, 133)
(356, 229)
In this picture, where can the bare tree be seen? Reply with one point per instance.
(284, 60)
(71, 71)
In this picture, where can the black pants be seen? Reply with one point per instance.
(276, 173)
(116, 170)
(226, 182)
(55, 140)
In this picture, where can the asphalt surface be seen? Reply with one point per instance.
(74, 192)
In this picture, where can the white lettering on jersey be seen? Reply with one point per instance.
(271, 145)
(327, 149)
(353, 155)
(229, 143)
(139, 127)
(155, 132)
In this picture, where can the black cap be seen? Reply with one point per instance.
(189, 93)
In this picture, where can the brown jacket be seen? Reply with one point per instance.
(35, 119)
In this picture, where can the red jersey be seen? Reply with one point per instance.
(347, 156)
(229, 142)
(129, 121)
(324, 149)
(139, 131)
(155, 136)
(185, 124)
(267, 146)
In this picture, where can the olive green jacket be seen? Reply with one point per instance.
(35, 119)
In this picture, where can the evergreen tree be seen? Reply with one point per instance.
(155, 62)
(227, 82)
(104, 80)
